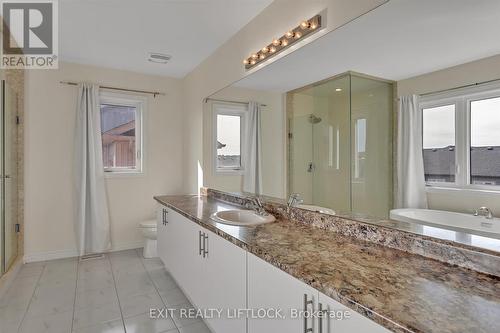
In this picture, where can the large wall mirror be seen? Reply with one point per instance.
(321, 122)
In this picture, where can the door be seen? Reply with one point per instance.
(178, 249)
(8, 176)
(271, 288)
(223, 285)
(344, 320)
(162, 226)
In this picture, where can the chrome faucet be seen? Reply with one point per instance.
(483, 211)
(256, 204)
(293, 200)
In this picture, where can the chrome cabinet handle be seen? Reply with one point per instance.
(306, 303)
(164, 218)
(205, 245)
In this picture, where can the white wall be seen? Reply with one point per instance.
(225, 66)
(273, 139)
(49, 130)
(469, 73)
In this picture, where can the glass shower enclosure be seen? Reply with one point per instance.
(8, 177)
(340, 144)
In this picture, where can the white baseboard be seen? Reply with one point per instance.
(61, 254)
(127, 246)
(49, 255)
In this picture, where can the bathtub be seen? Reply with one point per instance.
(466, 223)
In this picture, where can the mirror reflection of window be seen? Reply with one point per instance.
(228, 142)
(485, 142)
(439, 144)
(228, 127)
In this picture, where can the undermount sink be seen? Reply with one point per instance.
(242, 217)
(317, 209)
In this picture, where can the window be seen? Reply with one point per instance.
(461, 140)
(121, 130)
(229, 121)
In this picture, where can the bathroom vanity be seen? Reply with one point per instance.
(290, 264)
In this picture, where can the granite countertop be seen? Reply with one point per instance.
(402, 291)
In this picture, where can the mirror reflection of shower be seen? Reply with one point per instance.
(340, 144)
(314, 119)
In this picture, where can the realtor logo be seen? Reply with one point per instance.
(29, 38)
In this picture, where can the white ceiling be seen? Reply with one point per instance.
(401, 39)
(120, 33)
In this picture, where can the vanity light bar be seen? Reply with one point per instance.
(298, 33)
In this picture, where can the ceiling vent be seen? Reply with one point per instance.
(158, 57)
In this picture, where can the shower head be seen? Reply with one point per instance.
(314, 119)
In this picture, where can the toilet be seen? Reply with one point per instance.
(148, 229)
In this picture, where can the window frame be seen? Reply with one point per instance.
(229, 109)
(140, 105)
(462, 99)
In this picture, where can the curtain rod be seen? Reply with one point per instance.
(154, 93)
(221, 100)
(457, 88)
(460, 87)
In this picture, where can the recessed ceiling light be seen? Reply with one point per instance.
(159, 58)
(338, 89)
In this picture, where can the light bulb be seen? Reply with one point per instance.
(297, 35)
(261, 56)
(313, 26)
(265, 49)
(304, 24)
(245, 62)
(289, 34)
(276, 42)
(272, 49)
(254, 56)
(252, 62)
(284, 42)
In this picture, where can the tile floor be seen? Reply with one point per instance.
(111, 295)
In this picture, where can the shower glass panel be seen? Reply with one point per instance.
(371, 146)
(8, 172)
(340, 144)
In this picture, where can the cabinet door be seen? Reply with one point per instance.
(271, 288)
(342, 323)
(223, 285)
(177, 246)
(162, 235)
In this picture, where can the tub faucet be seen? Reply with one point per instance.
(256, 204)
(483, 211)
(293, 200)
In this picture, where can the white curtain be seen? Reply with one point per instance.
(252, 179)
(410, 163)
(92, 220)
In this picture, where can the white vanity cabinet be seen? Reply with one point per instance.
(216, 274)
(208, 268)
(271, 288)
(354, 322)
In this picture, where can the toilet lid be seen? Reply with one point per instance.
(148, 224)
